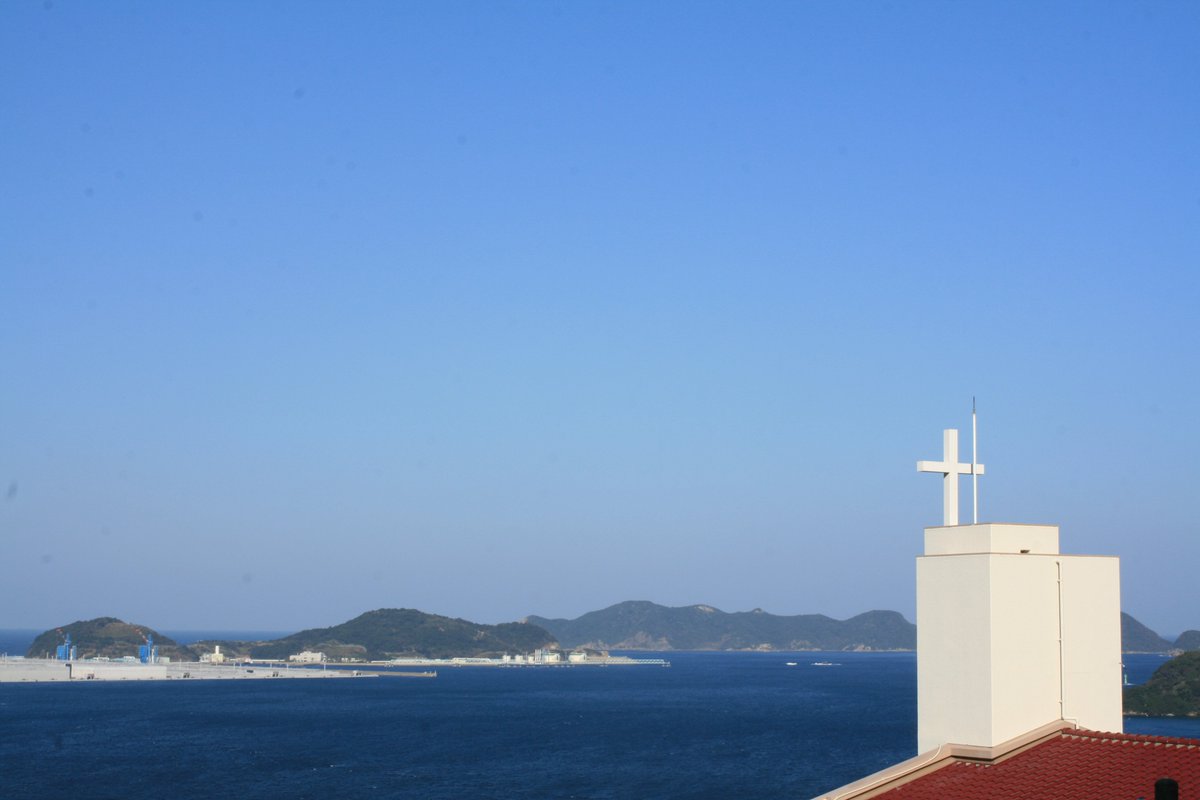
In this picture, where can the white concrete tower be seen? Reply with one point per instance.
(1011, 634)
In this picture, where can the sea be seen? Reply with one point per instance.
(712, 725)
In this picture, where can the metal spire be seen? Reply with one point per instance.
(974, 465)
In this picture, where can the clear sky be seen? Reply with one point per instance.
(494, 309)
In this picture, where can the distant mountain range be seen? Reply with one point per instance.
(633, 625)
(1137, 638)
(1188, 640)
(642, 625)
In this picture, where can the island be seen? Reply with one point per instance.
(375, 644)
(378, 635)
(1172, 691)
(642, 625)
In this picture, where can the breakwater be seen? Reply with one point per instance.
(39, 670)
(535, 660)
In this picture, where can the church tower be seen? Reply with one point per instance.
(1011, 634)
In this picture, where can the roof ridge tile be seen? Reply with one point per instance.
(1076, 763)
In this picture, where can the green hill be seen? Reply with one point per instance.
(1137, 638)
(633, 625)
(641, 625)
(389, 632)
(107, 637)
(1173, 690)
(1188, 640)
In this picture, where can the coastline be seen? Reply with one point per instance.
(39, 670)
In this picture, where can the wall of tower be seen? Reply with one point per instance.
(1008, 640)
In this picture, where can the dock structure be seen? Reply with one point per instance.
(526, 661)
(38, 670)
(218, 667)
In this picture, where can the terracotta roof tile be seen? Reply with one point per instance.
(1073, 765)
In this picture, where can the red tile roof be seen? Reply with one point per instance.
(1071, 764)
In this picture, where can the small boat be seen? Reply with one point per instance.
(825, 664)
(791, 663)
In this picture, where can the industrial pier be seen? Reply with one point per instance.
(39, 670)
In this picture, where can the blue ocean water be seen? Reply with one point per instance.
(15, 642)
(713, 725)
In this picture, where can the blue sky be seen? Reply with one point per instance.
(507, 308)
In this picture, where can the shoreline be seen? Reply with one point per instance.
(39, 670)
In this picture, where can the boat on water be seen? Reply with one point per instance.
(825, 664)
(791, 663)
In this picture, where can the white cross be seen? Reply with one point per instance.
(950, 469)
